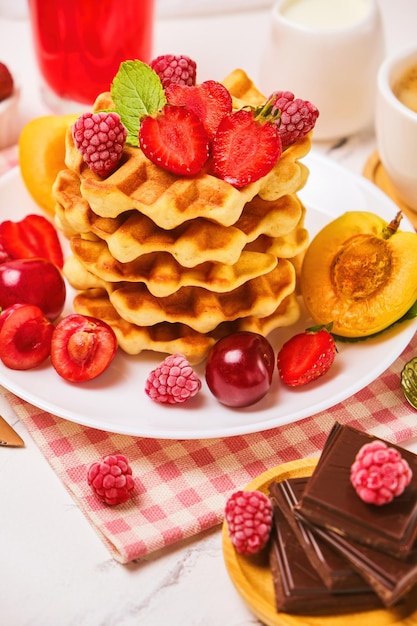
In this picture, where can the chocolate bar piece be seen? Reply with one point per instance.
(334, 570)
(298, 587)
(329, 499)
(390, 578)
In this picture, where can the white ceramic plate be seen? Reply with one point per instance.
(116, 401)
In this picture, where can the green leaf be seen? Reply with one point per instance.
(136, 91)
(410, 315)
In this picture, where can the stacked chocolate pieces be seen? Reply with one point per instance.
(333, 553)
(173, 263)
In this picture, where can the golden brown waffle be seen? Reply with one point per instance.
(171, 338)
(132, 234)
(197, 307)
(174, 263)
(163, 275)
(170, 200)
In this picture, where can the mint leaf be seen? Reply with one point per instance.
(136, 91)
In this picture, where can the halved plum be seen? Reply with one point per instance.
(82, 347)
(25, 337)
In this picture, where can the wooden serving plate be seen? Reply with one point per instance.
(252, 578)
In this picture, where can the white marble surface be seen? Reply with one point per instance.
(54, 568)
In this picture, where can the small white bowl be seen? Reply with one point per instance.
(10, 119)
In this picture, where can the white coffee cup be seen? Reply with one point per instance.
(396, 127)
(327, 52)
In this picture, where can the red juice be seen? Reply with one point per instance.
(79, 44)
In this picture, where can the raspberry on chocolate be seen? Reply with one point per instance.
(111, 479)
(249, 520)
(173, 381)
(297, 116)
(6, 82)
(379, 473)
(100, 138)
(176, 69)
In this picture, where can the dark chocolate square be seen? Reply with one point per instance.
(298, 587)
(329, 499)
(335, 571)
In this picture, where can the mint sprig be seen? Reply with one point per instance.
(136, 91)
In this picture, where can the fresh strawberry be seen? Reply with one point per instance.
(306, 356)
(34, 236)
(175, 139)
(209, 100)
(245, 148)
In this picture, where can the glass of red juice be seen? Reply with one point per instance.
(79, 45)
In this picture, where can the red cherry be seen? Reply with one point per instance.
(239, 369)
(82, 347)
(25, 337)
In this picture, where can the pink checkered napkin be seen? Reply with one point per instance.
(182, 486)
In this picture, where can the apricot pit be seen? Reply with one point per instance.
(360, 273)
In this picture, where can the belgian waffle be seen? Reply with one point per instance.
(166, 337)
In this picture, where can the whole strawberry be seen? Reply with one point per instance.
(249, 520)
(100, 138)
(6, 82)
(173, 381)
(175, 69)
(306, 356)
(379, 473)
(111, 479)
(297, 117)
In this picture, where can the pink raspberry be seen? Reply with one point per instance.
(379, 473)
(297, 117)
(174, 380)
(111, 479)
(249, 520)
(175, 69)
(100, 138)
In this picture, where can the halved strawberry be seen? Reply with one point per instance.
(210, 101)
(33, 236)
(175, 139)
(25, 338)
(82, 347)
(306, 356)
(245, 148)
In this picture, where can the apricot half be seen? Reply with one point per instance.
(360, 273)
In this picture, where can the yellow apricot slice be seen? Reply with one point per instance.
(360, 274)
(41, 155)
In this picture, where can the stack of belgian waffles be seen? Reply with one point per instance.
(174, 263)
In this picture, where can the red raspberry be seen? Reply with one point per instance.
(249, 519)
(174, 380)
(6, 82)
(100, 138)
(379, 473)
(297, 117)
(175, 69)
(111, 479)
